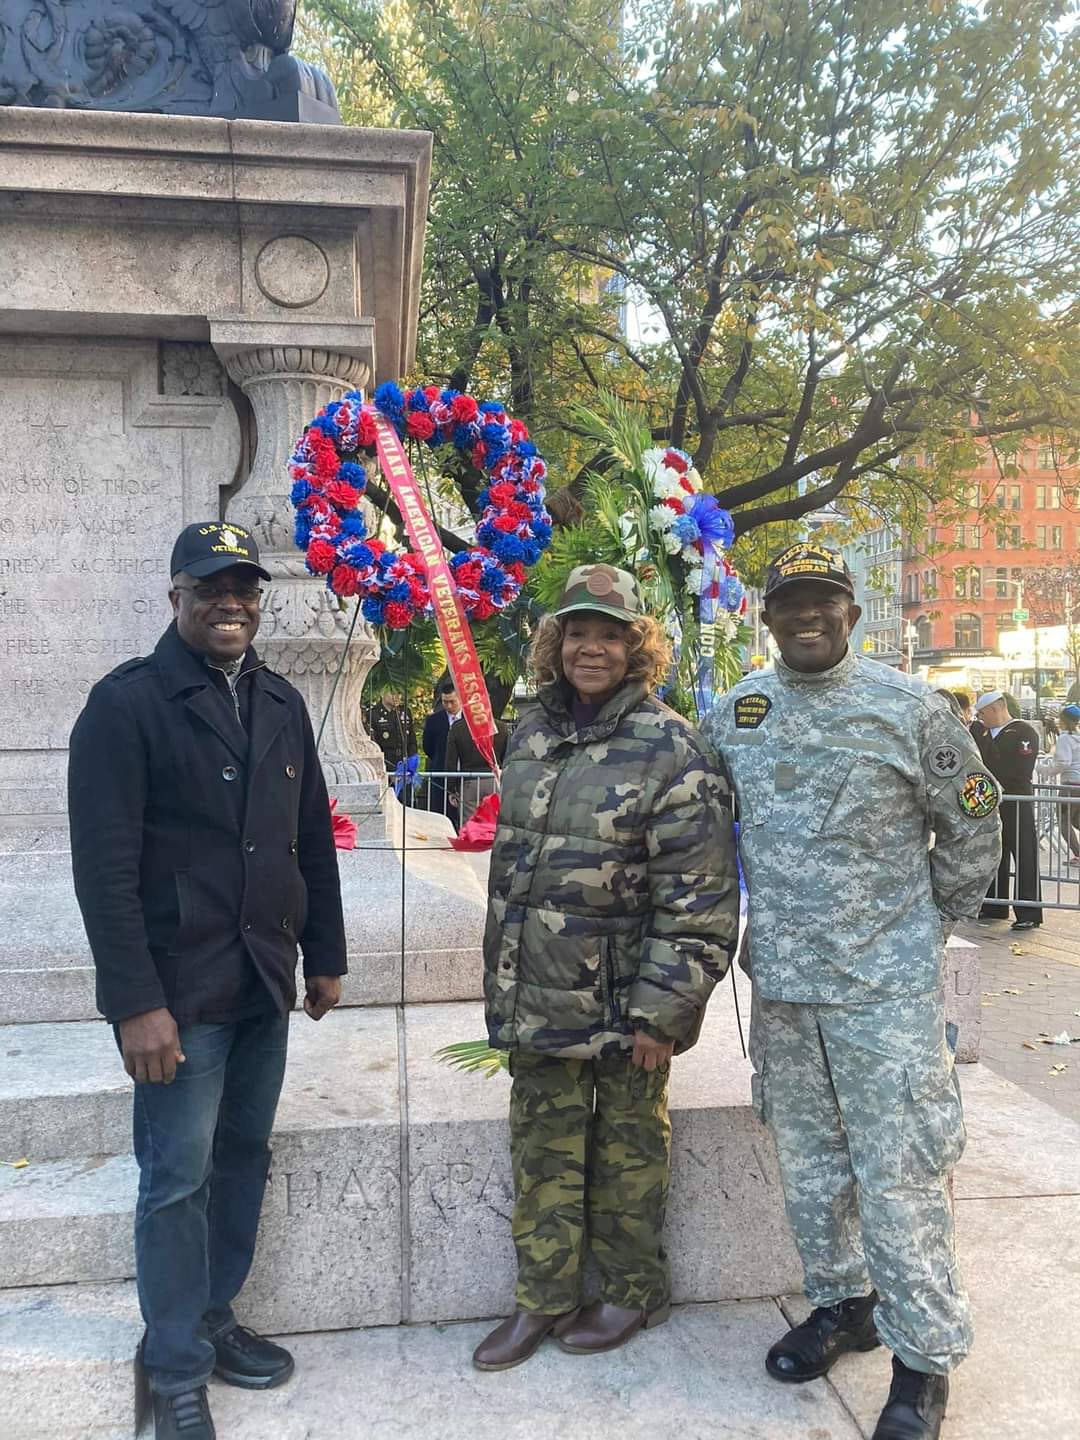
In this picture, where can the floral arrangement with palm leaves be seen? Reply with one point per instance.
(647, 511)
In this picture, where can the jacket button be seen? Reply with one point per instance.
(229, 772)
(286, 923)
(249, 846)
(247, 924)
(292, 847)
(290, 771)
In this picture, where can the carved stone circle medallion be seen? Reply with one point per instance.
(292, 271)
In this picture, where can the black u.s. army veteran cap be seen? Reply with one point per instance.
(209, 546)
(806, 561)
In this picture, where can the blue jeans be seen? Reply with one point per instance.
(201, 1145)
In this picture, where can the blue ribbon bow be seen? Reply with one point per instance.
(407, 773)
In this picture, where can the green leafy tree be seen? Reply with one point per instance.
(852, 230)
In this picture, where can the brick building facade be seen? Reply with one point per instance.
(961, 591)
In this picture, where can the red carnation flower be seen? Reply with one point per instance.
(419, 425)
(481, 607)
(674, 504)
(479, 454)
(377, 547)
(321, 556)
(518, 430)
(464, 409)
(506, 523)
(365, 433)
(468, 575)
(502, 494)
(531, 486)
(675, 461)
(418, 593)
(431, 392)
(341, 493)
(397, 614)
(685, 485)
(345, 580)
(520, 511)
(516, 571)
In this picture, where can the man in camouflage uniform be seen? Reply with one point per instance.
(842, 769)
(613, 913)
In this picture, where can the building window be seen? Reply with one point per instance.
(1055, 537)
(1009, 537)
(999, 496)
(960, 583)
(913, 587)
(975, 583)
(1047, 458)
(1001, 583)
(929, 584)
(1053, 497)
(967, 632)
(1040, 537)
(1040, 497)
(924, 633)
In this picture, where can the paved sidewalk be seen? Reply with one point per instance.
(1031, 992)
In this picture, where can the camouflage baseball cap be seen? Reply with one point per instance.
(806, 561)
(601, 588)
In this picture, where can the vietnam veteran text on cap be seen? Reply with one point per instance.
(209, 546)
(805, 561)
(603, 588)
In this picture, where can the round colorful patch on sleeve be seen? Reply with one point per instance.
(979, 795)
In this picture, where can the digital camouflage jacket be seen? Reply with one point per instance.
(841, 778)
(614, 897)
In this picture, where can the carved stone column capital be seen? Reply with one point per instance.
(304, 627)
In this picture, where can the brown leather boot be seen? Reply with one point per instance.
(512, 1342)
(601, 1326)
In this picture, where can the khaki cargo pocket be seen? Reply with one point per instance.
(933, 1134)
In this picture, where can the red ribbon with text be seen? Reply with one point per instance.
(449, 616)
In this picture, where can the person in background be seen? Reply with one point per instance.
(966, 701)
(1010, 748)
(953, 703)
(437, 727)
(1067, 771)
(463, 755)
(613, 912)
(203, 854)
(842, 768)
(390, 725)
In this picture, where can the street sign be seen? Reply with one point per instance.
(1021, 615)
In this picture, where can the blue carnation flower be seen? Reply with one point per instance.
(358, 554)
(353, 474)
(508, 548)
(490, 407)
(418, 400)
(486, 534)
(530, 552)
(300, 491)
(389, 399)
(325, 424)
(524, 448)
(302, 531)
(352, 528)
(687, 529)
(542, 532)
(374, 610)
(400, 591)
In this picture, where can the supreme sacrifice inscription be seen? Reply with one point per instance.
(89, 507)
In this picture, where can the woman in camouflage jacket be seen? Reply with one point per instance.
(613, 912)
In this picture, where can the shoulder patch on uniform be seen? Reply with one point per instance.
(944, 761)
(978, 795)
(750, 711)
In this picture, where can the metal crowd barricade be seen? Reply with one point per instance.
(454, 793)
(1050, 809)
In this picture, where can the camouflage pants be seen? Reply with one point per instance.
(590, 1143)
(865, 1107)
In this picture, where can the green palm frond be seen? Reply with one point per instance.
(475, 1057)
(616, 426)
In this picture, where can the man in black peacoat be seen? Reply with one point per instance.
(203, 854)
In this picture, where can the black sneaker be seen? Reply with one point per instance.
(811, 1349)
(183, 1417)
(916, 1405)
(247, 1360)
(1025, 925)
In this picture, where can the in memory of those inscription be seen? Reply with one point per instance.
(89, 506)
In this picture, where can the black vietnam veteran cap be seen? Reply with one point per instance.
(210, 545)
(806, 561)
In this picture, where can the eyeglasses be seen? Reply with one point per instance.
(209, 594)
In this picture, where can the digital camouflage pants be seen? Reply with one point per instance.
(865, 1107)
(590, 1143)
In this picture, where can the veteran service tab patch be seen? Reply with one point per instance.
(750, 711)
(979, 795)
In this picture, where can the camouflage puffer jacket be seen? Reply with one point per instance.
(613, 896)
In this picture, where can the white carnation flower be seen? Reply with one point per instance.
(666, 484)
(661, 517)
(672, 543)
(693, 556)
